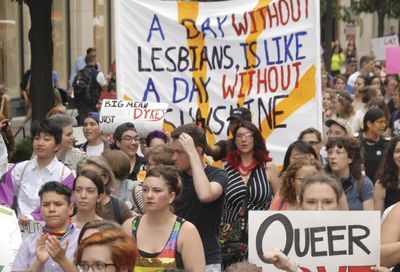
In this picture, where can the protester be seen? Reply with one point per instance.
(183, 248)
(156, 137)
(109, 208)
(339, 82)
(366, 65)
(313, 137)
(359, 85)
(345, 164)
(88, 190)
(97, 226)
(202, 198)
(296, 149)
(372, 141)
(107, 251)
(79, 65)
(337, 60)
(289, 194)
(252, 178)
(219, 151)
(377, 83)
(53, 248)
(127, 140)
(67, 154)
(390, 84)
(88, 84)
(387, 186)
(120, 166)
(367, 93)
(24, 180)
(328, 106)
(157, 155)
(345, 110)
(325, 82)
(95, 145)
(243, 267)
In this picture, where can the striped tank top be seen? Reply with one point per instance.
(169, 257)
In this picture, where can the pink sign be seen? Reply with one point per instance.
(392, 56)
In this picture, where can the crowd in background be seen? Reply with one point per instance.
(119, 201)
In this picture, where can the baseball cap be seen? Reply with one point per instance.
(339, 121)
(240, 114)
(121, 129)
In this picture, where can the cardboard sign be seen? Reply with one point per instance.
(10, 238)
(31, 228)
(392, 56)
(318, 241)
(205, 58)
(379, 44)
(146, 116)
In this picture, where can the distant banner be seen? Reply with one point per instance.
(317, 241)
(392, 56)
(379, 44)
(203, 59)
(10, 238)
(146, 116)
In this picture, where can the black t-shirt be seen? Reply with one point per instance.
(205, 216)
(224, 145)
(373, 154)
(139, 165)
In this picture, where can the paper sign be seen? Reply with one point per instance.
(318, 241)
(205, 58)
(146, 116)
(10, 238)
(379, 44)
(31, 228)
(392, 56)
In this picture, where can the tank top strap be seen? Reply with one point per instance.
(135, 225)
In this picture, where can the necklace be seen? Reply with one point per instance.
(245, 170)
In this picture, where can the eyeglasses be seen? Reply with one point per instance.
(130, 139)
(246, 136)
(96, 266)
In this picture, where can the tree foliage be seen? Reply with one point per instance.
(384, 8)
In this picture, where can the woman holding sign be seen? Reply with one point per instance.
(253, 179)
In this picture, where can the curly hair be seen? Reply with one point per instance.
(260, 152)
(388, 171)
(288, 190)
(353, 148)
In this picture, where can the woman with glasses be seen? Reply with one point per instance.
(344, 162)
(106, 251)
(373, 141)
(175, 243)
(292, 179)
(127, 140)
(89, 190)
(253, 178)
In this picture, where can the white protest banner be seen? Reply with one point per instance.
(206, 58)
(31, 228)
(319, 241)
(379, 44)
(146, 116)
(10, 238)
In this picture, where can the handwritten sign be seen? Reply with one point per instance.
(146, 116)
(10, 238)
(379, 44)
(31, 228)
(207, 58)
(318, 241)
(392, 56)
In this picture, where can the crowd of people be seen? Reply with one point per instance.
(121, 203)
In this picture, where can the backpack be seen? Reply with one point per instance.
(82, 83)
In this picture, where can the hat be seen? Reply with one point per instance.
(240, 114)
(94, 115)
(339, 121)
(121, 129)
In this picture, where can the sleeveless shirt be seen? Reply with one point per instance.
(169, 257)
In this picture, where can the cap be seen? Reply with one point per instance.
(121, 129)
(94, 115)
(240, 114)
(339, 121)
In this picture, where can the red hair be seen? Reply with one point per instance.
(260, 152)
(122, 247)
